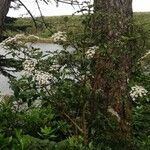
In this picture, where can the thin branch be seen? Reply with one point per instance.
(42, 17)
(45, 2)
(74, 123)
(71, 2)
(29, 13)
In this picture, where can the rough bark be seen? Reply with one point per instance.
(4, 7)
(112, 21)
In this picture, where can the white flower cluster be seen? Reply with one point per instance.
(17, 39)
(55, 67)
(19, 106)
(8, 40)
(137, 91)
(91, 52)
(59, 37)
(29, 65)
(37, 103)
(19, 36)
(43, 78)
(13, 39)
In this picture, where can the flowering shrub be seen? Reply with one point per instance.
(91, 51)
(37, 103)
(137, 91)
(59, 37)
(16, 38)
(19, 106)
(29, 66)
(62, 79)
(43, 78)
(20, 38)
(68, 81)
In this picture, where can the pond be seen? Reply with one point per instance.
(4, 81)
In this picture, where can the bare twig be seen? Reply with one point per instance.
(42, 17)
(29, 13)
(71, 2)
(73, 122)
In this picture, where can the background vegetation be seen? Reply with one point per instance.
(59, 23)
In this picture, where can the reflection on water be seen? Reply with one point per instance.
(4, 82)
(4, 86)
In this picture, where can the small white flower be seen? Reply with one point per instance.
(91, 52)
(19, 36)
(9, 40)
(29, 65)
(59, 36)
(16, 38)
(55, 67)
(137, 91)
(37, 104)
(43, 78)
(19, 106)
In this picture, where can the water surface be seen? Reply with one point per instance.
(4, 81)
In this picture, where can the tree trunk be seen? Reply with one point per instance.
(4, 7)
(111, 24)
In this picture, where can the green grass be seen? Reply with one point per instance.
(60, 23)
(53, 24)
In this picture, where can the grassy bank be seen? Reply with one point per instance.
(46, 29)
(59, 23)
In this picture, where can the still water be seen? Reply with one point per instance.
(4, 82)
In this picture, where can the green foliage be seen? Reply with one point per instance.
(54, 24)
(141, 113)
(62, 81)
(21, 130)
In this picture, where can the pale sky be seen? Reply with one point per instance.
(63, 9)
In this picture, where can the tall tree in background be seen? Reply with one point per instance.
(111, 29)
